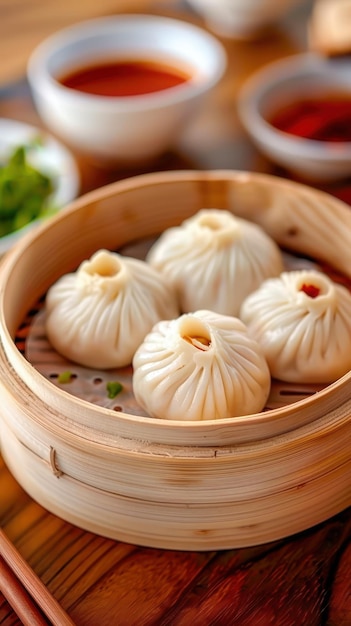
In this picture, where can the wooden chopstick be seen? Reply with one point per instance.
(24, 590)
(20, 600)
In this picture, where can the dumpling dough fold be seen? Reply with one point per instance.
(302, 319)
(214, 260)
(200, 366)
(98, 315)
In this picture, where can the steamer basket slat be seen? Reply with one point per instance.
(199, 486)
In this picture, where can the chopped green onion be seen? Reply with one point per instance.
(24, 191)
(64, 377)
(113, 389)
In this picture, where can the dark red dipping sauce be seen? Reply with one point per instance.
(124, 78)
(324, 118)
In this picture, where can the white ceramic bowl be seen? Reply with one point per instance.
(124, 129)
(50, 157)
(241, 19)
(281, 83)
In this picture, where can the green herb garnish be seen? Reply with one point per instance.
(65, 377)
(24, 191)
(113, 389)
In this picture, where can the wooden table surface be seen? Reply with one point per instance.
(299, 581)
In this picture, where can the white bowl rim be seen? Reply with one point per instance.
(260, 83)
(14, 133)
(38, 75)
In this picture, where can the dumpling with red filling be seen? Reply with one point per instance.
(302, 319)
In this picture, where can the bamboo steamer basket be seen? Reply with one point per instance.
(189, 486)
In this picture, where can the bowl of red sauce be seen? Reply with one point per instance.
(297, 111)
(122, 88)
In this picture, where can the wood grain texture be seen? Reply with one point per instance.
(303, 580)
(340, 600)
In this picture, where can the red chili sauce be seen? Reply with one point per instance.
(324, 118)
(124, 78)
(310, 290)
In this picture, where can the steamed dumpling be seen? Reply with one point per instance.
(302, 320)
(214, 260)
(200, 366)
(98, 315)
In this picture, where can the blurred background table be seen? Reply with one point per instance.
(214, 140)
(301, 581)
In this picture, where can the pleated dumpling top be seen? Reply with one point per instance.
(215, 259)
(98, 315)
(200, 366)
(302, 319)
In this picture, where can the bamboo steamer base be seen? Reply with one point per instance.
(181, 525)
(188, 486)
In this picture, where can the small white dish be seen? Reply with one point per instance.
(242, 19)
(289, 80)
(128, 129)
(50, 157)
